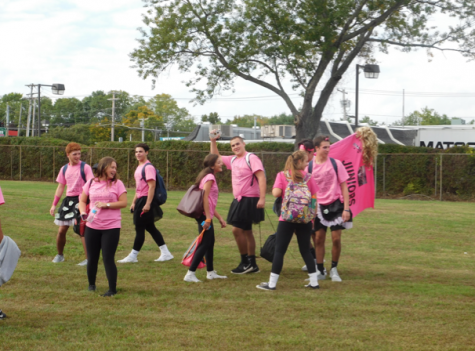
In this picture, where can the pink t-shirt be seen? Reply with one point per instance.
(2, 200)
(213, 194)
(141, 186)
(101, 191)
(325, 176)
(242, 175)
(73, 179)
(281, 183)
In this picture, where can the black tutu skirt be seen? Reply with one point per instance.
(245, 211)
(68, 211)
(151, 216)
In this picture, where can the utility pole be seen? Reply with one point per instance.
(113, 92)
(33, 119)
(19, 120)
(344, 103)
(8, 118)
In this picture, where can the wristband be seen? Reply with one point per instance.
(208, 221)
(56, 200)
(347, 210)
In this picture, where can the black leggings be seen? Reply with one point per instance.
(107, 240)
(140, 235)
(205, 249)
(285, 231)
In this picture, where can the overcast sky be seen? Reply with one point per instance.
(85, 45)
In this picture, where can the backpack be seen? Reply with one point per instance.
(298, 205)
(248, 156)
(160, 196)
(83, 174)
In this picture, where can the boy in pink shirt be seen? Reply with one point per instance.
(333, 205)
(73, 175)
(249, 190)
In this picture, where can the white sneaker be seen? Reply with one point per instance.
(321, 276)
(304, 268)
(334, 275)
(164, 257)
(191, 277)
(213, 275)
(58, 258)
(83, 263)
(129, 259)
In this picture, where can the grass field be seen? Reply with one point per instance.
(407, 270)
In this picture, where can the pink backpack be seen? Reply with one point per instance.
(298, 206)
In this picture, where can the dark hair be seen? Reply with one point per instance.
(318, 140)
(105, 163)
(208, 162)
(237, 137)
(307, 143)
(143, 146)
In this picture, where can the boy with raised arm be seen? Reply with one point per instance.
(249, 190)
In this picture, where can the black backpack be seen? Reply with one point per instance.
(160, 196)
(83, 174)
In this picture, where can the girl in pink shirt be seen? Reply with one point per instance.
(207, 181)
(305, 191)
(107, 195)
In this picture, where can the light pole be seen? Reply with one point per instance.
(57, 89)
(370, 71)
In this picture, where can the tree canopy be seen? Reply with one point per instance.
(311, 43)
(425, 117)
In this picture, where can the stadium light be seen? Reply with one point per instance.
(371, 72)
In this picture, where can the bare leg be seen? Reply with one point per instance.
(251, 242)
(336, 249)
(241, 240)
(320, 245)
(61, 238)
(84, 245)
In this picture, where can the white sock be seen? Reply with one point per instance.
(164, 249)
(313, 279)
(273, 280)
(134, 252)
(190, 273)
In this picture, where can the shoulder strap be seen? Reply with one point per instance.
(143, 170)
(310, 166)
(232, 160)
(335, 167)
(65, 167)
(83, 174)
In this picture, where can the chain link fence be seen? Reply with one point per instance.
(440, 176)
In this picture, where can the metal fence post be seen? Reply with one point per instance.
(20, 162)
(440, 177)
(435, 177)
(11, 163)
(384, 176)
(167, 169)
(53, 162)
(128, 167)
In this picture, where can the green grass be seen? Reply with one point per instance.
(407, 285)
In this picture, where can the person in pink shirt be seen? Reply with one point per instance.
(298, 192)
(144, 209)
(107, 195)
(249, 190)
(206, 181)
(73, 175)
(333, 205)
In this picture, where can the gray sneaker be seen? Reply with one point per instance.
(58, 258)
(83, 263)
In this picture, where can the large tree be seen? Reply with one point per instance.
(425, 117)
(310, 42)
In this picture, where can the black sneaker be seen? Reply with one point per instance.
(312, 287)
(252, 269)
(109, 294)
(264, 286)
(2, 315)
(241, 269)
(92, 288)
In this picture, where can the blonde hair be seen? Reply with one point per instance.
(292, 163)
(370, 144)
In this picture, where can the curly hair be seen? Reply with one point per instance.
(370, 144)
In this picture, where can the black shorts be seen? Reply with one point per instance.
(151, 216)
(242, 214)
(331, 219)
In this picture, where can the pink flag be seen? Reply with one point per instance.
(2, 200)
(361, 182)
